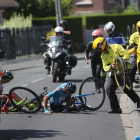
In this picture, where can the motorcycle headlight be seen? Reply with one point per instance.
(53, 49)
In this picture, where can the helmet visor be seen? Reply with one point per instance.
(109, 31)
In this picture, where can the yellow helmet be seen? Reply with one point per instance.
(99, 43)
(138, 26)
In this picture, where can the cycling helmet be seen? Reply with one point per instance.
(109, 27)
(138, 26)
(71, 87)
(96, 33)
(99, 43)
(58, 29)
(63, 22)
(8, 75)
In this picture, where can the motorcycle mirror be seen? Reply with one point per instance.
(43, 38)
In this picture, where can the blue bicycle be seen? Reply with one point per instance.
(88, 96)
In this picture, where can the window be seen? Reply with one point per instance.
(112, 1)
(83, 2)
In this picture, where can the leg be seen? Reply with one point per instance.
(133, 69)
(98, 70)
(103, 76)
(111, 88)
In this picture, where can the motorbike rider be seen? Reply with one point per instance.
(109, 52)
(66, 33)
(47, 61)
(60, 95)
(133, 43)
(96, 62)
(112, 37)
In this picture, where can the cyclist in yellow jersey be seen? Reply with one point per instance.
(133, 43)
(109, 52)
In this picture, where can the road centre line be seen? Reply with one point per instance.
(25, 85)
(38, 80)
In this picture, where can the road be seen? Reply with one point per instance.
(98, 125)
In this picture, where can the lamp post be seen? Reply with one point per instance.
(58, 10)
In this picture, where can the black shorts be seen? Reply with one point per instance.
(58, 108)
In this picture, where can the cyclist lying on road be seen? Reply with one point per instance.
(60, 95)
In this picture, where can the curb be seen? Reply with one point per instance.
(134, 114)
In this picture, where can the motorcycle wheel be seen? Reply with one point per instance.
(62, 77)
(55, 72)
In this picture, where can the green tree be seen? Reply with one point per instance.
(131, 9)
(118, 9)
(40, 8)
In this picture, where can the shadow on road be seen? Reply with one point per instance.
(26, 134)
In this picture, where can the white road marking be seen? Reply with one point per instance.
(25, 85)
(38, 80)
(50, 76)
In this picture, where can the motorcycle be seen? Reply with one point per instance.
(57, 59)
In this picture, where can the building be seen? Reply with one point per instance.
(6, 4)
(100, 6)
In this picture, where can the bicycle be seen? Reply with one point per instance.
(121, 74)
(23, 99)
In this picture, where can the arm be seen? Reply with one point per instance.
(67, 105)
(45, 102)
(89, 46)
(123, 53)
(67, 32)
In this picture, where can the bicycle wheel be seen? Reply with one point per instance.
(128, 32)
(119, 73)
(25, 99)
(96, 100)
(133, 28)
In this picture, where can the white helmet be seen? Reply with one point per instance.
(58, 29)
(109, 27)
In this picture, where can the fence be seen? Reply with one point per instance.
(24, 41)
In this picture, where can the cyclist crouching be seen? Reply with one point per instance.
(109, 52)
(59, 96)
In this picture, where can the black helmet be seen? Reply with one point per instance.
(63, 22)
(71, 87)
(8, 75)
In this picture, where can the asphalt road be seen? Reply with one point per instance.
(98, 125)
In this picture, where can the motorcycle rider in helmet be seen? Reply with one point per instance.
(112, 37)
(58, 96)
(66, 33)
(133, 44)
(47, 60)
(95, 56)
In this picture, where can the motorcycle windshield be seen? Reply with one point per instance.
(56, 42)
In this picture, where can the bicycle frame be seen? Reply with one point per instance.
(80, 96)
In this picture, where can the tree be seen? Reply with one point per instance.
(40, 8)
(118, 9)
(131, 9)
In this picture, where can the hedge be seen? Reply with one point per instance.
(121, 21)
(74, 25)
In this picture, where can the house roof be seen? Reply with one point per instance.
(8, 3)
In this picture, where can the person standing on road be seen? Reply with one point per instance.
(109, 52)
(96, 62)
(133, 44)
(112, 37)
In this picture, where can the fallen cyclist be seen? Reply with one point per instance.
(60, 95)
